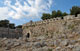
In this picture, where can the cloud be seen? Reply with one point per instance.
(4, 13)
(29, 9)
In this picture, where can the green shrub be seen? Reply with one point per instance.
(49, 49)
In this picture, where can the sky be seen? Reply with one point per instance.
(22, 11)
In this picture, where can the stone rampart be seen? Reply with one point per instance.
(51, 26)
(52, 20)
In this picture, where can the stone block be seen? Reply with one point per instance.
(69, 17)
(78, 15)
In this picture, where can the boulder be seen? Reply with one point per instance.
(64, 42)
(37, 44)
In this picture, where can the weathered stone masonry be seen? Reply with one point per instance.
(50, 26)
(10, 33)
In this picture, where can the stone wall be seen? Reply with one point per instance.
(10, 33)
(51, 20)
(51, 26)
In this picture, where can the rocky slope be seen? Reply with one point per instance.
(64, 42)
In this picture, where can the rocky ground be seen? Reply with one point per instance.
(62, 42)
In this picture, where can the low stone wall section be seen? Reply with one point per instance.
(10, 33)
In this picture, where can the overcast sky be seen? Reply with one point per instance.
(22, 11)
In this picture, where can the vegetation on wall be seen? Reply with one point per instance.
(45, 16)
(7, 24)
(73, 11)
(53, 15)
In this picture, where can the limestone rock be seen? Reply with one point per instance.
(37, 44)
(64, 42)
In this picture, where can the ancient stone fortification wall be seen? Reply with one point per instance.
(10, 33)
(52, 20)
(52, 26)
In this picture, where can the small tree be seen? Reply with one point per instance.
(45, 16)
(12, 26)
(75, 10)
(54, 14)
(64, 14)
(4, 23)
(59, 13)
